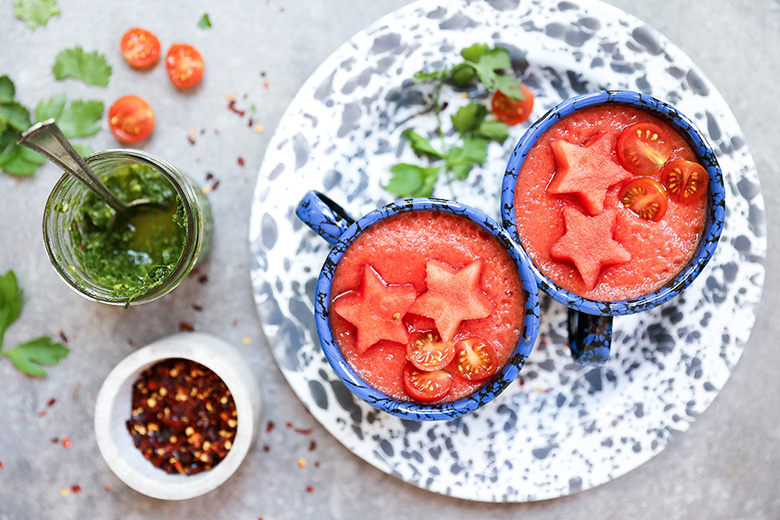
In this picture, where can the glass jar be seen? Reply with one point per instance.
(63, 238)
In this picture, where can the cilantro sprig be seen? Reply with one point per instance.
(89, 67)
(80, 118)
(30, 356)
(35, 12)
(472, 122)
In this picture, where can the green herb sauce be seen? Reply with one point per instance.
(138, 253)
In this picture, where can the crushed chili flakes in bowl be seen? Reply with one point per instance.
(183, 417)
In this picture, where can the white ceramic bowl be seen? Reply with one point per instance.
(113, 405)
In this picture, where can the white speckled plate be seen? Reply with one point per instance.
(561, 428)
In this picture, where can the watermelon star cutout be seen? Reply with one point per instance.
(452, 296)
(586, 172)
(376, 309)
(588, 244)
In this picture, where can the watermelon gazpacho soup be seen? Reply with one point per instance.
(426, 306)
(610, 203)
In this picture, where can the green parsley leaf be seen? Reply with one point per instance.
(51, 108)
(204, 22)
(18, 160)
(11, 297)
(7, 90)
(13, 115)
(510, 86)
(410, 180)
(420, 144)
(475, 52)
(35, 12)
(81, 118)
(30, 355)
(91, 68)
(493, 130)
(421, 76)
(460, 160)
(468, 117)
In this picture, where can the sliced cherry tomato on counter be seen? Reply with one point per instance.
(510, 111)
(475, 360)
(646, 197)
(131, 119)
(426, 387)
(428, 352)
(685, 181)
(643, 148)
(140, 48)
(184, 65)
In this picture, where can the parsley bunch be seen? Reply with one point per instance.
(471, 122)
(30, 355)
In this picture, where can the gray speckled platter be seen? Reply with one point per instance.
(561, 428)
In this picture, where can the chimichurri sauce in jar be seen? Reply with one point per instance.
(136, 252)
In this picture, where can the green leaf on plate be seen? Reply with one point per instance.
(11, 298)
(51, 108)
(410, 180)
(18, 160)
(468, 117)
(81, 118)
(420, 144)
(204, 22)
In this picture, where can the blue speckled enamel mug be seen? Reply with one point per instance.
(339, 229)
(590, 321)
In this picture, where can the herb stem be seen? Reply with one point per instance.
(439, 129)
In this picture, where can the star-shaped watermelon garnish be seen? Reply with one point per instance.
(588, 244)
(586, 172)
(376, 309)
(452, 296)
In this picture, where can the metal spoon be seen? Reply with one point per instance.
(47, 139)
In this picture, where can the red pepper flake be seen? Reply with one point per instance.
(41, 413)
(265, 84)
(107, 489)
(75, 488)
(310, 489)
(240, 161)
(307, 431)
(251, 123)
(209, 176)
(63, 337)
(203, 278)
(215, 185)
(197, 307)
(183, 417)
(232, 108)
(55, 440)
(269, 426)
(312, 445)
(67, 443)
(266, 448)
(1, 465)
(51, 402)
(185, 327)
(191, 140)
(281, 9)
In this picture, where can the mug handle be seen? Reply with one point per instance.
(325, 217)
(590, 337)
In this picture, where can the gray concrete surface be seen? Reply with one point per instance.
(726, 466)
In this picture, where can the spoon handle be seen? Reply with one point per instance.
(47, 139)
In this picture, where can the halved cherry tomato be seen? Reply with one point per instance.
(475, 360)
(510, 111)
(426, 387)
(643, 148)
(184, 65)
(140, 48)
(131, 119)
(646, 197)
(428, 352)
(685, 181)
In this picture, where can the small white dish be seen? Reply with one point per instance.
(113, 405)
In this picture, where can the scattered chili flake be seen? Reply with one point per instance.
(312, 445)
(307, 431)
(203, 278)
(75, 488)
(266, 448)
(1, 465)
(107, 489)
(232, 108)
(209, 176)
(310, 489)
(41, 413)
(251, 123)
(269, 426)
(215, 185)
(197, 307)
(265, 84)
(51, 402)
(55, 440)
(240, 161)
(185, 327)
(67, 443)
(183, 418)
(191, 140)
(63, 337)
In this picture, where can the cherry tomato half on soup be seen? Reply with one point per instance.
(131, 119)
(475, 360)
(646, 197)
(685, 181)
(511, 111)
(184, 65)
(140, 48)
(428, 352)
(426, 387)
(643, 148)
